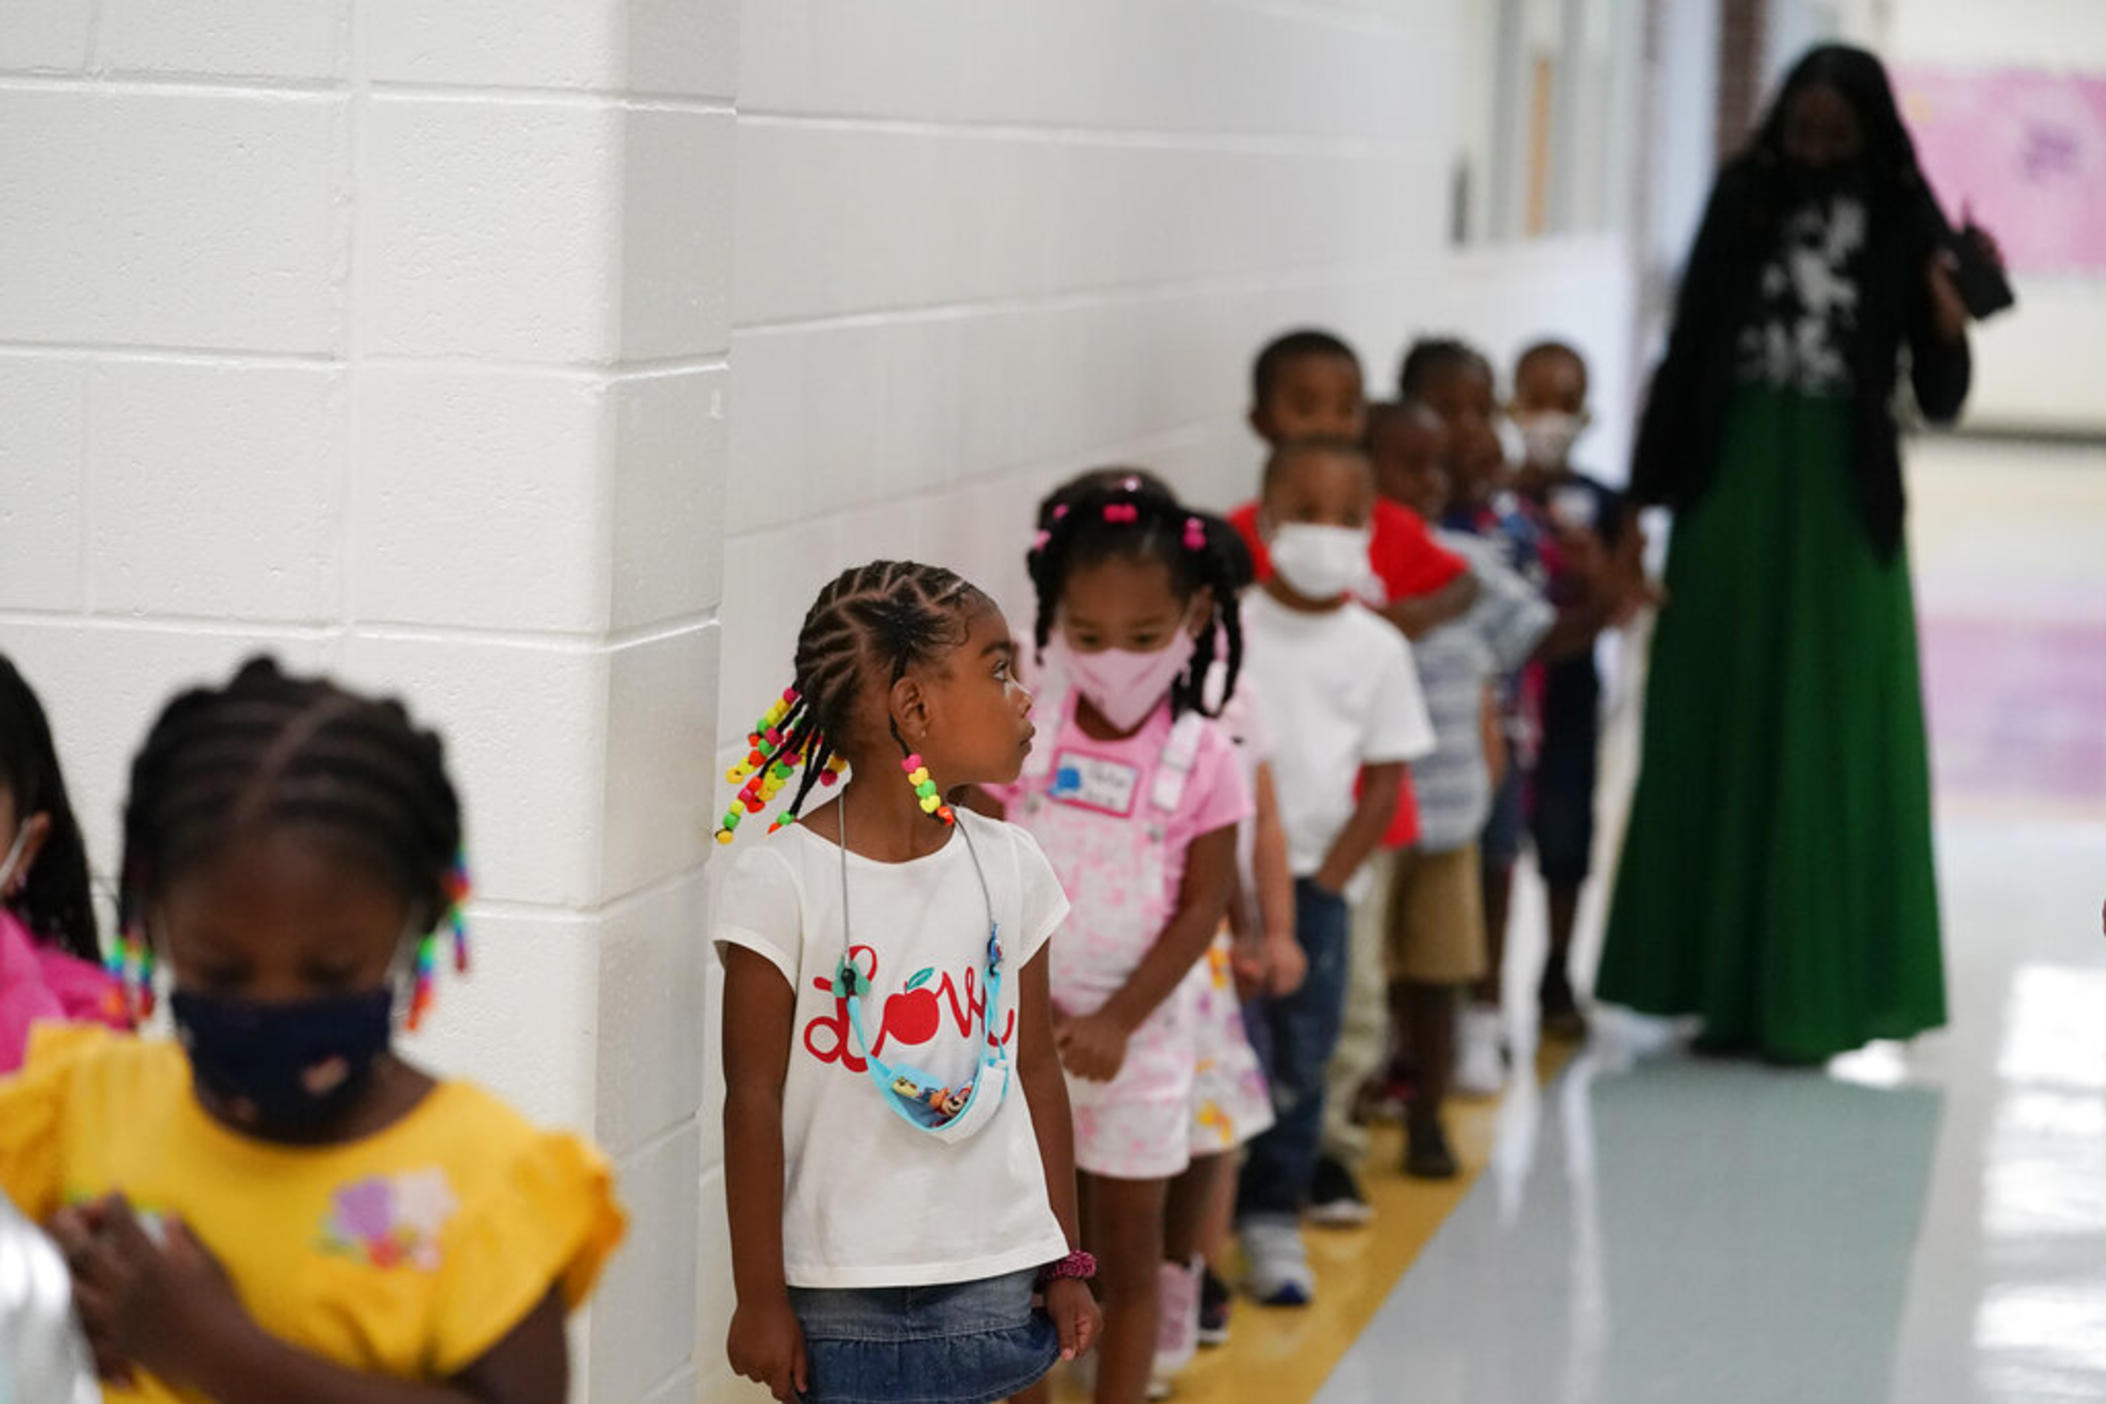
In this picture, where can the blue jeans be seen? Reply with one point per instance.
(1294, 1037)
(954, 1343)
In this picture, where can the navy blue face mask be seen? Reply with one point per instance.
(288, 1069)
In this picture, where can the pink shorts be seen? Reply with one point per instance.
(1134, 1127)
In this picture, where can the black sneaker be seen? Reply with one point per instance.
(1335, 1200)
(1214, 1298)
(1427, 1155)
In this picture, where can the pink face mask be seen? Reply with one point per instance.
(1123, 685)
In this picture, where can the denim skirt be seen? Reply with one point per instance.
(952, 1343)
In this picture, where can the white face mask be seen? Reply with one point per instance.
(1321, 562)
(1547, 437)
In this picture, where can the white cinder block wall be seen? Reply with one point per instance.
(397, 338)
(981, 247)
(392, 337)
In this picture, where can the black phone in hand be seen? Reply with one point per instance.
(1981, 283)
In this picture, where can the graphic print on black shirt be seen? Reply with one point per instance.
(1807, 315)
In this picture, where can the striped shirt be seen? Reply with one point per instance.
(1455, 664)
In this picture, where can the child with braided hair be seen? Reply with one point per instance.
(900, 1175)
(280, 1206)
(1136, 795)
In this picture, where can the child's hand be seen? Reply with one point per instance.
(1092, 1047)
(73, 1230)
(767, 1347)
(1074, 1310)
(1250, 962)
(157, 1306)
(1286, 964)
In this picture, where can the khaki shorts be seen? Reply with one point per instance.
(1436, 918)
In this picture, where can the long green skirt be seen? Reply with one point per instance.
(1777, 877)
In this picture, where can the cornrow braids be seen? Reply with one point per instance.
(1133, 515)
(866, 629)
(269, 750)
(56, 903)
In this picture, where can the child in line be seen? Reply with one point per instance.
(1436, 946)
(1136, 797)
(279, 1206)
(1455, 381)
(1308, 385)
(1337, 686)
(900, 1172)
(1592, 560)
(1257, 952)
(1262, 958)
(50, 957)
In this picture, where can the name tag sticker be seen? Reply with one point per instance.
(1092, 782)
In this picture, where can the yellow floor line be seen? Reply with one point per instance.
(1284, 1355)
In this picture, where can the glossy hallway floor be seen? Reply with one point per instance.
(1922, 1224)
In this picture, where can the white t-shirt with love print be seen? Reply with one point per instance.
(868, 1200)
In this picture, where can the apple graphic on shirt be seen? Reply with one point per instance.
(913, 1016)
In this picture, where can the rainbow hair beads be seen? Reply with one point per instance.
(785, 738)
(925, 789)
(451, 926)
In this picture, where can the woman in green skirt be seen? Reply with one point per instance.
(1777, 876)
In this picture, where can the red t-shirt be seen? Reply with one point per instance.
(1409, 563)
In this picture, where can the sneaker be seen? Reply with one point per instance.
(1213, 1309)
(1480, 1059)
(1427, 1155)
(1335, 1200)
(1177, 1319)
(1279, 1265)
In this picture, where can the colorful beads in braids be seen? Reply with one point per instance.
(786, 737)
(865, 629)
(268, 749)
(454, 922)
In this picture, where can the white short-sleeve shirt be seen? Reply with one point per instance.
(868, 1200)
(1339, 692)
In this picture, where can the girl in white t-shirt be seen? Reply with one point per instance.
(1136, 794)
(899, 1158)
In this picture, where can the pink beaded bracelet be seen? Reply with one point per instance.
(1078, 1265)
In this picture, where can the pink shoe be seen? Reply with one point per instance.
(1177, 1325)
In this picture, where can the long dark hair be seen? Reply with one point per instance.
(1685, 411)
(1899, 204)
(56, 903)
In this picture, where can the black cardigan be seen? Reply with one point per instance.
(1685, 410)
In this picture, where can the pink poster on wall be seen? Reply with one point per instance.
(2025, 149)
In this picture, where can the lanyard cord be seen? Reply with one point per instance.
(965, 832)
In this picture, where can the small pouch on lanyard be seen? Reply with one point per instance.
(921, 1099)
